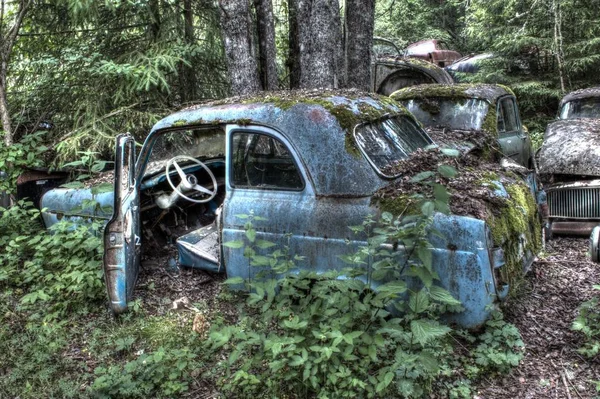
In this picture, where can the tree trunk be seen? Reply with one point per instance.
(266, 44)
(237, 38)
(187, 79)
(7, 41)
(315, 55)
(558, 44)
(360, 18)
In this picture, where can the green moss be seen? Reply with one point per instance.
(517, 230)
(179, 122)
(490, 179)
(404, 204)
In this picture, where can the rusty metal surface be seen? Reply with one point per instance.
(488, 92)
(32, 175)
(311, 129)
(571, 147)
(391, 73)
(578, 228)
(578, 94)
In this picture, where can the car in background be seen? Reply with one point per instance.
(310, 163)
(434, 51)
(392, 72)
(464, 66)
(468, 108)
(569, 165)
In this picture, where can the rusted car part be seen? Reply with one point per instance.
(584, 103)
(569, 166)
(595, 244)
(475, 119)
(434, 51)
(32, 184)
(311, 164)
(391, 73)
(461, 109)
(466, 65)
(383, 46)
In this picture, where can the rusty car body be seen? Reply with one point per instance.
(569, 165)
(434, 51)
(470, 108)
(392, 72)
(309, 163)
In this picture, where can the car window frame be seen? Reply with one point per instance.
(519, 130)
(409, 117)
(231, 129)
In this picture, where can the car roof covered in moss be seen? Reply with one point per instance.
(319, 125)
(488, 92)
(579, 94)
(348, 107)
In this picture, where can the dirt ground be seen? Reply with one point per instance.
(560, 280)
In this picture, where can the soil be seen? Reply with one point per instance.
(551, 368)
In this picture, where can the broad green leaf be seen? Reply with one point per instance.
(441, 295)
(263, 244)
(234, 244)
(428, 208)
(425, 330)
(419, 301)
(440, 193)
(447, 171)
(251, 234)
(421, 176)
(451, 152)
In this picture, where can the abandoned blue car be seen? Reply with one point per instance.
(309, 163)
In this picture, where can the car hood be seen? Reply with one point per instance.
(571, 147)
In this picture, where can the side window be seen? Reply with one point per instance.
(262, 161)
(507, 116)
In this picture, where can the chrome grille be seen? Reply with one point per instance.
(575, 203)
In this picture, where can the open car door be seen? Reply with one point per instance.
(122, 239)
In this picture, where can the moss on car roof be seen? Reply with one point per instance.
(348, 107)
(581, 93)
(486, 92)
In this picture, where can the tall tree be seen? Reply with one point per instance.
(315, 36)
(359, 25)
(237, 38)
(266, 44)
(8, 38)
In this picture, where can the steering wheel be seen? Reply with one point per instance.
(189, 182)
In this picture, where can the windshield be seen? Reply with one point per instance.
(582, 108)
(455, 113)
(196, 143)
(390, 140)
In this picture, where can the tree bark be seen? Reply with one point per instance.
(187, 79)
(360, 22)
(237, 39)
(7, 42)
(314, 54)
(266, 44)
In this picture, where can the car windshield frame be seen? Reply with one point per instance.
(470, 105)
(384, 136)
(569, 107)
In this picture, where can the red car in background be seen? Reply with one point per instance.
(432, 50)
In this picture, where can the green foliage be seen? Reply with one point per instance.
(60, 267)
(160, 374)
(14, 159)
(588, 323)
(500, 347)
(332, 334)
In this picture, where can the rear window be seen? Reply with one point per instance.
(390, 140)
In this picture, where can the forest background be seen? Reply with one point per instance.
(92, 69)
(78, 72)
